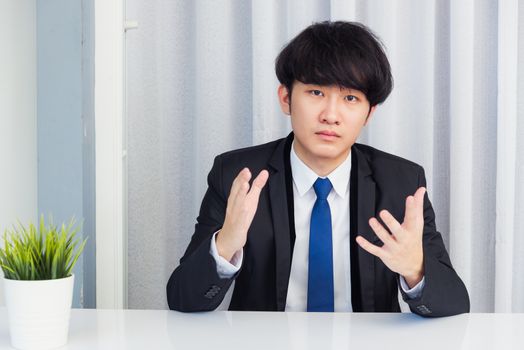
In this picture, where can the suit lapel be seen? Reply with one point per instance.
(362, 207)
(280, 190)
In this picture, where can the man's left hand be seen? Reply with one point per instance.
(402, 250)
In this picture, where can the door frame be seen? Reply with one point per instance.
(110, 153)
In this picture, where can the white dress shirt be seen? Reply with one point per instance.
(304, 198)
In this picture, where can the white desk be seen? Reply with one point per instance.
(152, 330)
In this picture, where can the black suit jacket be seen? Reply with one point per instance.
(377, 181)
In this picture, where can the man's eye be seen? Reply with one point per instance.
(351, 98)
(316, 93)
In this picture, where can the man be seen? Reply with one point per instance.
(327, 224)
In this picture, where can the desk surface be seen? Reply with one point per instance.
(159, 329)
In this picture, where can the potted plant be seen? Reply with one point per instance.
(38, 282)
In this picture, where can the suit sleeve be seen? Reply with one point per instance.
(444, 293)
(195, 284)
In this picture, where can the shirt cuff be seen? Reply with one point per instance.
(226, 269)
(414, 292)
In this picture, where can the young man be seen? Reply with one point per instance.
(315, 221)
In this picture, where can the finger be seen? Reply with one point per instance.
(410, 215)
(391, 222)
(415, 208)
(419, 197)
(243, 188)
(419, 205)
(369, 247)
(380, 231)
(243, 177)
(258, 184)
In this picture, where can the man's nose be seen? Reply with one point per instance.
(329, 114)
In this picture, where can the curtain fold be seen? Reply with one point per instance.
(200, 81)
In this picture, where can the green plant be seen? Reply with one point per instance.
(50, 253)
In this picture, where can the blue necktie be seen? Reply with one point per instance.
(320, 292)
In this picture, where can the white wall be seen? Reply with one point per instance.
(18, 151)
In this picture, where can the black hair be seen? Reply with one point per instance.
(340, 53)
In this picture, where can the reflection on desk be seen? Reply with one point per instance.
(160, 329)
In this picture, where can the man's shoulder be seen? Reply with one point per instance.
(380, 160)
(258, 152)
(256, 158)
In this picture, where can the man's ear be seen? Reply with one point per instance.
(284, 99)
(370, 114)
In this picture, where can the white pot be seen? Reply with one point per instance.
(38, 312)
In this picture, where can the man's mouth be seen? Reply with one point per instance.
(327, 133)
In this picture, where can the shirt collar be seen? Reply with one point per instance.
(304, 177)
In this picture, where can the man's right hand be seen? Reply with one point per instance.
(241, 208)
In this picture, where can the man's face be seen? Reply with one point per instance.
(326, 121)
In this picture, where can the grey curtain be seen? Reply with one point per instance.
(200, 81)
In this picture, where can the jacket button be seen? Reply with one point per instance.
(423, 309)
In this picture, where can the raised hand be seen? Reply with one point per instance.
(402, 250)
(241, 207)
